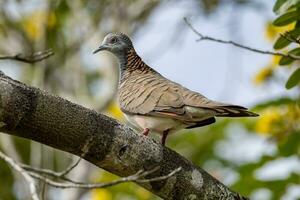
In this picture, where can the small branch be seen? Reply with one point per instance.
(61, 175)
(160, 178)
(69, 168)
(85, 149)
(25, 174)
(48, 172)
(138, 177)
(33, 58)
(203, 37)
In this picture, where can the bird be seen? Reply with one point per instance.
(153, 103)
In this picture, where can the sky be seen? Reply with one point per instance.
(220, 72)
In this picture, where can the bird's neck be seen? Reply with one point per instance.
(131, 62)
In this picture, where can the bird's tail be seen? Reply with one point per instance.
(233, 111)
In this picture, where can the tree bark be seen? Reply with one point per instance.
(31, 113)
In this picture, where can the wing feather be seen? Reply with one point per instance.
(152, 94)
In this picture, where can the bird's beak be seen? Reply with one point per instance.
(101, 48)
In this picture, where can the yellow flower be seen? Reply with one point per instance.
(32, 28)
(35, 24)
(101, 194)
(263, 75)
(275, 61)
(114, 111)
(267, 120)
(271, 31)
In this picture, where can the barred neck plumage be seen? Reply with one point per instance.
(132, 62)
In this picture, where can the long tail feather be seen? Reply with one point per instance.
(203, 123)
(233, 111)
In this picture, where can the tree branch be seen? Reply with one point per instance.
(204, 37)
(31, 113)
(25, 174)
(33, 58)
(138, 177)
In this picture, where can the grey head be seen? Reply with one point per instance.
(116, 43)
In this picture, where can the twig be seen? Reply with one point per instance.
(160, 177)
(138, 177)
(61, 175)
(85, 149)
(25, 174)
(48, 172)
(204, 37)
(35, 57)
(69, 168)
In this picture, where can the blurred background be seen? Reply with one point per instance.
(258, 157)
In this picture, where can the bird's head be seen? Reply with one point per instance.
(116, 43)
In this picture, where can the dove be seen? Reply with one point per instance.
(153, 103)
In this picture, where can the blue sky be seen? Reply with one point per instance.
(220, 72)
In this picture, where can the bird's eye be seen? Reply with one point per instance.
(113, 40)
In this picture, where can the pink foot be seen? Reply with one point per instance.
(146, 132)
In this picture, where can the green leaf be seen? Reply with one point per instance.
(281, 42)
(278, 5)
(287, 60)
(293, 80)
(281, 6)
(287, 18)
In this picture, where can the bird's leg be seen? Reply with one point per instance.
(164, 137)
(146, 132)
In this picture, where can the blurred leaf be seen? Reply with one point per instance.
(293, 80)
(287, 18)
(291, 145)
(282, 6)
(274, 102)
(283, 42)
(278, 5)
(287, 60)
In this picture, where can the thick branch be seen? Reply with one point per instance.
(204, 37)
(31, 113)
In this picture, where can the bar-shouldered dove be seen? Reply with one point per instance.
(152, 102)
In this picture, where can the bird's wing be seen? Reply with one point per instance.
(152, 94)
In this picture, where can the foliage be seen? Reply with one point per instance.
(289, 14)
(280, 117)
